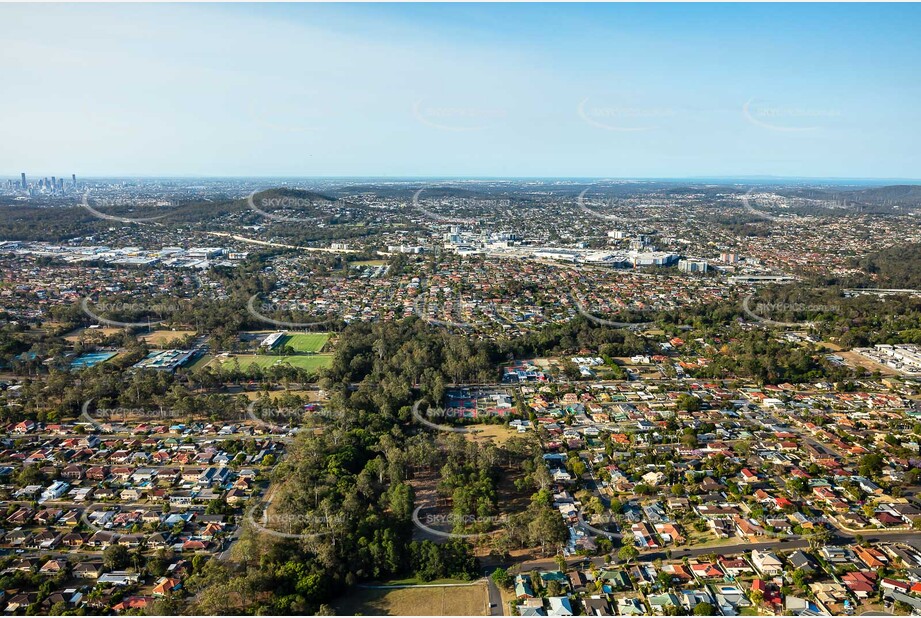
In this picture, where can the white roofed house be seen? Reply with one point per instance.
(119, 578)
(560, 606)
(561, 475)
(54, 491)
(767, 563)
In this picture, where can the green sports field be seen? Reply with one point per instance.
(309, 362)
(306, 343)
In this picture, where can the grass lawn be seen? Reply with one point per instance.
(440, 601)
(306, 343)
(273, 395)
(310, 363)
(201, 361)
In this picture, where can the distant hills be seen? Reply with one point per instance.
(905, 195)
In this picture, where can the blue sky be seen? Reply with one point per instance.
(613, 90)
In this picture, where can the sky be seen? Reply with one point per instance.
(500, 90)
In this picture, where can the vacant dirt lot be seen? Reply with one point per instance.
(495, 433)
(870, 365)
(416, 601)
(159, 337)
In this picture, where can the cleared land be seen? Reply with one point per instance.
(308, 395)
(306, 343)
(85, 333)
(368, 263)
(859, 360)
(482, 432)
(416, 601)
(159, 337)
(310, 363)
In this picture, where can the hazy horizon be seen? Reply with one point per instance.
(372, 177)
(522, 91)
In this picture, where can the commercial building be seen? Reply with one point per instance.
(272, 341)
(693, 266)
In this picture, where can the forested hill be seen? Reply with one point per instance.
(894, 267)
(895, 195)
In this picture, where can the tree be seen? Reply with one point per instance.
(115, 557)
(31, 475)
(688, 403)
(628, 553)
(871, 465)
(536, 580)
(548, 528)
(664, 579)
(501, 578)
(218, 506)
(819, 537)
(704, 609)
(198, 561)
(157, 566)
(561, 563)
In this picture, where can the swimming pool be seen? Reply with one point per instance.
(91, 359)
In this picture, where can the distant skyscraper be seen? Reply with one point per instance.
(73, 177)
(23, 180)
